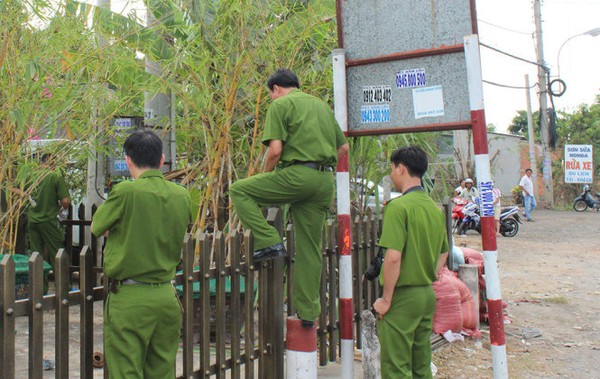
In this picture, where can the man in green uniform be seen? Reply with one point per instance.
(414, 236)
(46, 234)
(147, 219)
(304, 143)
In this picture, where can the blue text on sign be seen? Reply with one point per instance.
(374, 113)
(120, 165)
(487, 199)
(411, 78)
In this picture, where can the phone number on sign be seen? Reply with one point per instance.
(377, 94)
(375, 113)
(411, 78)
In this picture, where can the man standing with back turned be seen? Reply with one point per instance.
(46, 234)
(147, 219)
(414, 235)
(304, 143)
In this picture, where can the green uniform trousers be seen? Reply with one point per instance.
(404, 334)
(310, 194)
(142, 327)
(46, 238)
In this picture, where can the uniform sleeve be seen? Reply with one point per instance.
(189, 206)
(109, 212)
(275, 124)
(522, 182)
(394, 233)
(61, 187)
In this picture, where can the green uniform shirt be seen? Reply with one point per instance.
(307, 127)
(48, 193)
(414, 225)
(147, 219)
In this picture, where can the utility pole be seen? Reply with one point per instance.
(544, 124)
(158, 108)
(97, 158)
(530, 132)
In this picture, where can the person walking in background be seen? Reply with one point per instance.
(526, 185)
(414, 236)
(145, 221)
(51, 196)
(304, 143)
(497, 208)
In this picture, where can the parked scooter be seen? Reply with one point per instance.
(509, 221)
(471, 219)
(457, 213)
(586, 200)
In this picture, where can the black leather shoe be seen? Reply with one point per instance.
(270, 252)
(305, 323)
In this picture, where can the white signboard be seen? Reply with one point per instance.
(428, 102)
(579, 167)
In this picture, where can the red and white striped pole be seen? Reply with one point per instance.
(301, 350)
(486, 198)
(343, 218)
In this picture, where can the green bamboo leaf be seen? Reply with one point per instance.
(16, 117)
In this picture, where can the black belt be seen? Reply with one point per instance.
(316, 166)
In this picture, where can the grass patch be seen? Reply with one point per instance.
(556, 300)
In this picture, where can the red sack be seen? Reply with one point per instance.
(472, 256)
(448, 310)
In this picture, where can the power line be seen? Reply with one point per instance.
(509, 86)
(504, 28)
(571, 2)
(514, 56)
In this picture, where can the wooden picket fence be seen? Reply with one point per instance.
(233, 321)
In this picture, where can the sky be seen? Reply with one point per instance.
(509, 25)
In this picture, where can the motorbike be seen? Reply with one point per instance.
(586, 200)
(509, 221)
(457, 212)
(471, 219)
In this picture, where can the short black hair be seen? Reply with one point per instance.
(283, 78)
(413, 157)
(144, 147)
(528, 170)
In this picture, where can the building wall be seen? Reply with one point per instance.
(505, 157)
(505, 160)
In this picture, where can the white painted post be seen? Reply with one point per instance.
(488, 232)
(344, 221)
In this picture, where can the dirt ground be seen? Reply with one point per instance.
(549, 276)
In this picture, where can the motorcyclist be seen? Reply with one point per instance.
(458, 190)
(470, 192)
